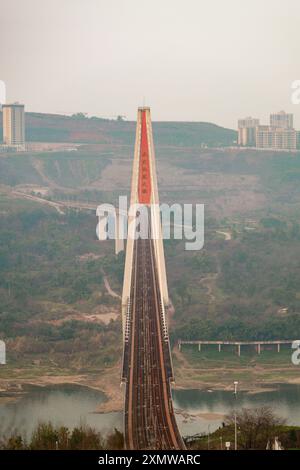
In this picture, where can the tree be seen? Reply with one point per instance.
(255, 427)
(85, 438)
(115, 441)
(15, 442)
(44, 437)
(79, 115)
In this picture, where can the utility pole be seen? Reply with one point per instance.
(235, 418)
(208, 437)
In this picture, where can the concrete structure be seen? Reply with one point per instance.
(247, 131)
(149, 418)
(257, 344)
(277, 138)
(279, 135)
(282, 120)
(150, 196)
(13, 125)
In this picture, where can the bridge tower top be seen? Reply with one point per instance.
(144, 190)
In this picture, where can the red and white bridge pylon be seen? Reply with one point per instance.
(144, 192)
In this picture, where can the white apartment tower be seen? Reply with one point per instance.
(277, 138)
(279, 135)
(13, 124)
(247, 131)
(282, 120)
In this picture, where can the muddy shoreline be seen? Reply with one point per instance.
(108, 382)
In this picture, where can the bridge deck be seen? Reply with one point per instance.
(149, 416)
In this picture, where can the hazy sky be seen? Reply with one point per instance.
(198, 60)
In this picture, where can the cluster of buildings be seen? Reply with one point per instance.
(13, 127)
(278, 135)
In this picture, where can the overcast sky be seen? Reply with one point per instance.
(196, 60)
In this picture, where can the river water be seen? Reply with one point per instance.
(198, 410)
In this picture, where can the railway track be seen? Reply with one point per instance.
(149, 416)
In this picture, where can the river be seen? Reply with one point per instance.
(197, 410)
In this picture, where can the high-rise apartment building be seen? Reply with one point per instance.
(282, 119)
(277, 138)
(13, 125)
(247, 131)
(279, 135)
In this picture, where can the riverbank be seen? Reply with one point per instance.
(253, 378)
(197, 411)
(13, 384)
(217, 371)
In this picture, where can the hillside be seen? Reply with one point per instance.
(58, 128)
(57, 315)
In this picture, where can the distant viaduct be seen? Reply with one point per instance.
(257, 344)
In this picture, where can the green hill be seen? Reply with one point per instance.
(58, 128)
